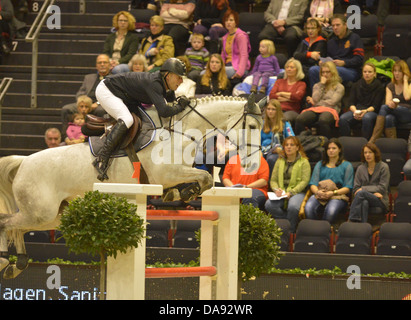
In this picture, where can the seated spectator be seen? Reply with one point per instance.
(178, 21)
(83, 108)
(122, 44)
(396, 109)
(198, 56)
(234, 176)
(73, 132)
(88, 88)
(274, 130)
(366, 96)
(325, 102)
(284, 20)
(265, 66)
(187, 87)
(157, 47)
(290, 90)
(236, 48)
(323, 10)
(345, 48)
(407, 166)
(331, 182)
(6, 17)
(138, 63)
(371, 184)
(312, 48)
(290, 177)
(52, 137)
(214, 81)
(208, 16)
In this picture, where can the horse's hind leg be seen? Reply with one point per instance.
(13, 270)
(4, 254)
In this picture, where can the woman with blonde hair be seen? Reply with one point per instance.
(122, 44)
(274, 130)
(289, 182)
(138, 63)
(325, 102)
(396, 109)
(214, 81)
(290, 90)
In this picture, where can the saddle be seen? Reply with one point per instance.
(103, 125)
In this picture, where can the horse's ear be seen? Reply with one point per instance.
(252, 107)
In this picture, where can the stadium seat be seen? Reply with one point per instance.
(184, 236)
(402, 203)
(252, 23)
(284, 225)
(394, 239)
(313, 236)
(395, 36)
(37, 236)
(354, 238)
(158, 233)
(352, 147)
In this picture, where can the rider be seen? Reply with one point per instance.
(120, 93)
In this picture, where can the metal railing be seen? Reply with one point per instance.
(4, 86)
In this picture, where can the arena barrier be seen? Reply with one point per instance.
(218, 269)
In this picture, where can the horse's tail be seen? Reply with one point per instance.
(8, 169)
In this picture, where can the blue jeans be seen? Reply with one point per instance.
(395, 116)
(363, 200)
(346, 74)
(347, 122)
(278, 211)
(120, 68)
(332, 208)
(257, 199)
(407, 169)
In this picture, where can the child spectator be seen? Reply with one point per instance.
(74, 134)
(83, 108)
(198, 56)
(265, 66)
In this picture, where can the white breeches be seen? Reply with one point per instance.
(113, 105)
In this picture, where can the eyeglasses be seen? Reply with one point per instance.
(122, 20)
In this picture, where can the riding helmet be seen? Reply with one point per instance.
(174, 65)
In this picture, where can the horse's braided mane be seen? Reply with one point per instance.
(219, 98)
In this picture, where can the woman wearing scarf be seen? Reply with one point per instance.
(157, 47)
(366, 97)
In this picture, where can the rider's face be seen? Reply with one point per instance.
(173, 81)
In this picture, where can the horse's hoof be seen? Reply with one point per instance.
(3, 263)
(171, 195)
(11, 272)
(191, 192)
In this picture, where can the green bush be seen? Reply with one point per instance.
(259, 239)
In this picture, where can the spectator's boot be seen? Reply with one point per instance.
(378, 129)
(113, 139)
(390, 132)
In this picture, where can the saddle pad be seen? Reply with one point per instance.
(144, 138)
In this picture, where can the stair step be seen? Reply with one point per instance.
(5, 70)
(45, 86)
(50, 59)
(76, 19)
(19, 140)
(63, 45)
(23, 127)
(70, 6)
(43, 100)
(4, 152)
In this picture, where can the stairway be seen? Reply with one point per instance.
(65, 56)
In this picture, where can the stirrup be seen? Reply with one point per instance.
(102, 172)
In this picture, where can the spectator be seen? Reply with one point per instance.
(157, 47)
(187, 87)
(52, 137)
(83, 108)
(397, 103)
(407, 166)
(198, 56)
(178, 21)
(365, 100)
(331, 181)
(371, 183)
(345, 48)
(234, 176)
(122, 44)
(236, 48)
(290, 90)
(138, 63)
(214, 81)
(88, 88)
(312, 48)
(274, 130)
(284, 20)
(6, 17)
(325, 102)
(290, 177)
(208, 16)
(74, 134)
(323, 10)
(265, 66)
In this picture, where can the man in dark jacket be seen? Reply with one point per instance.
(346, 50)
(120, 93)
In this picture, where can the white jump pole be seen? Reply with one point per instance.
(226, 201)
(126, 273)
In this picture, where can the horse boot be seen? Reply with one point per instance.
(378, 128)
(113, 139)
(391, 133)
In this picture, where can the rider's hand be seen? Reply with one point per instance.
(183, 101)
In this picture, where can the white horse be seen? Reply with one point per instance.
(34, 189)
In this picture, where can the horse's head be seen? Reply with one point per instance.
(250, 136)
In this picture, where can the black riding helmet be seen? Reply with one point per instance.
(174, 65)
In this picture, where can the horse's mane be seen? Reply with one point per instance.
(207, 99)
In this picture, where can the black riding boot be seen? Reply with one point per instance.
(113, 139)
